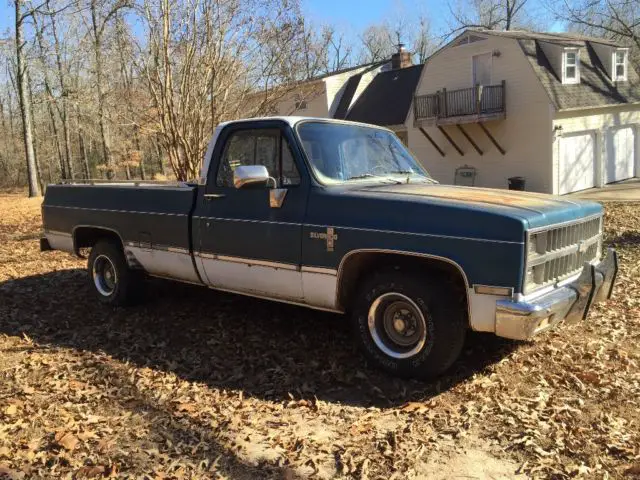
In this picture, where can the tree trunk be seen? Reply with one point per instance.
(35, 135)
(64, 113)
(21, 77)
(156, 145)
(83, 148)
(97, 49)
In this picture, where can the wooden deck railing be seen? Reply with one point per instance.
(478, 100)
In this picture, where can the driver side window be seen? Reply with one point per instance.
(258, 147)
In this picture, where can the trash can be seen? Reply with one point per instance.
(516, 183)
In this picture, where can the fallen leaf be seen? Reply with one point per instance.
(89, 472)
(66, 440)
(10, 474)
(11, 410)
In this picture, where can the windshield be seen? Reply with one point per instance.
(341, 152)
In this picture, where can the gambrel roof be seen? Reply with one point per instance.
(595, 89)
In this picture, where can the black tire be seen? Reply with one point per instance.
(113, 282)
(436, 306)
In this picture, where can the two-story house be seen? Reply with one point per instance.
(561, 110)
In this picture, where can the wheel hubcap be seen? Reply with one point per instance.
(104, 275)
(397, 325)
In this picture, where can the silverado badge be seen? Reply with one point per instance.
(330, 236)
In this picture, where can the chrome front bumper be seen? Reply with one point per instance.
(571, 302)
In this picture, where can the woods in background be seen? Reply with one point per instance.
(123, 89)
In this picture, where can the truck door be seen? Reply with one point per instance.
(249, 239)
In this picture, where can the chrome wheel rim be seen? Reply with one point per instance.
(397, 325)
(105, 277)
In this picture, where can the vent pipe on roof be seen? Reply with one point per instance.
(401, 59)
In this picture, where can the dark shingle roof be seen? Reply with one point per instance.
(349, 90)
(595, 88)
(387, 99)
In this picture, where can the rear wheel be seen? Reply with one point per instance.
(409, 325)
(111, 278)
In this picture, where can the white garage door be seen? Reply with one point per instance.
(577, 162)
(620, 156)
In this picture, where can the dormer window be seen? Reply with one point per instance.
(571, 66)
(620, 66)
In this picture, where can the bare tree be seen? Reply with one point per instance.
(488, 14)
(25, 104)
(378, 43)
(64, 93)
(101, 14)
(121, 84)
(213, 60)
(614, 19)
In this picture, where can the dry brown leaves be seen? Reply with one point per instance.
(198, 384)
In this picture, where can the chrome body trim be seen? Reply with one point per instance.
(320, 270)
(568, 223)
(183, 251)
(57, 232)
(244, 175)
(561, 252)
(248, 220)
(247, 261)
(492, 290)
(522, 320)
(261, 263)
(115, 211)
(432, 235)
(530, 261)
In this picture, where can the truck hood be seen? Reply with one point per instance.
(536, 209)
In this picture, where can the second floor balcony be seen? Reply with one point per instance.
(466, 105)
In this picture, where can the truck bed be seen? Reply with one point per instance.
(146, 218)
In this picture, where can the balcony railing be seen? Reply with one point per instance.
(477, 102)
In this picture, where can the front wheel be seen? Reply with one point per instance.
(409, 325)
(111, 278)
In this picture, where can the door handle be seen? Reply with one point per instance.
(211, 196)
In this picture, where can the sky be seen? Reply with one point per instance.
(349, 16)
(353, 16)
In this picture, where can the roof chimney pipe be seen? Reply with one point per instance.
(401, 59)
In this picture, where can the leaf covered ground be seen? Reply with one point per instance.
(199, 384)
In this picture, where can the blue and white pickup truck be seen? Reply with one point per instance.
(339, 216)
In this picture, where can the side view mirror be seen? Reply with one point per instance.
(252, 175)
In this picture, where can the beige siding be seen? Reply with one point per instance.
(315, 96)
(526, 133)
(596, 121)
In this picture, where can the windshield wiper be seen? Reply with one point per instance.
(371, 175)
(403, 172)
(363, 175)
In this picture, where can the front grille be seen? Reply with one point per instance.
(560, 252)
